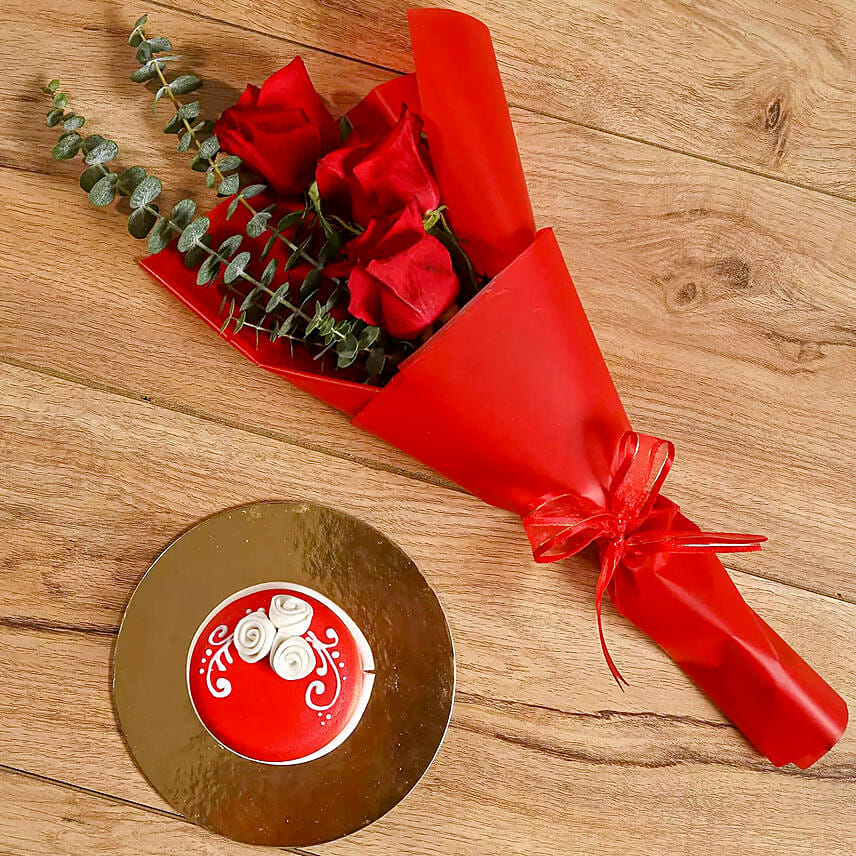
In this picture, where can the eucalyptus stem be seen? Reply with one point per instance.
(179, 230)
(156, 65)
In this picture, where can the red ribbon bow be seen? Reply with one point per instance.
(561, 525)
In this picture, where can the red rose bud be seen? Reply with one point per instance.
(375, 176)
(280, 130)
(402, 280)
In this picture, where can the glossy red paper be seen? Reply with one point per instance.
(513, 419)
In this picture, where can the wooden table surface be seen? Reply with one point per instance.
(698, 162)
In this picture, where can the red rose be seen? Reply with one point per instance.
(280, 130)
(378, 176)
(402, 279)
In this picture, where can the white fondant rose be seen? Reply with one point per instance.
(254, 635)
(291, 657)
(291, 614)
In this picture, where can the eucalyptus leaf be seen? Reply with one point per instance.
(198, 252)
(269, 244)
(185, 83)
(193, 233)
(232, 207)
(229, 185)
(146, 191)
(146, 72)
(297, 253)
(103, 192)
(52, 86)
(160, 237)
(67, 147)
(208, 270)
(240, 323)
(236, 267)
(188, 111)
(229, 164)
(330, 249)
(60, 100)
(269, 273)
(290, 219)
(230, 246)
(104, 152)
(129, 179)
(199, 164)
(144, 52)
(73, 122)
(249, 299)
(137, 35)
(257, 224)
(279, 296)
(141, 221)
(368, 337)
(91, 142)
(183, 212)
(54, 117)
(184, 141)
(311, 282)
(345, 359)
(375, 362)
(158, 95)
(253, 190)
(174, 125)
(208, 148)
(210, 178)
(160, 43)
(206, 126)
(89, 176)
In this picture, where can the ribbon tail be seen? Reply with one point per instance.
(607, 572)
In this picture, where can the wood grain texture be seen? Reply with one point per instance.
(544, 754)
(723, 302)
(763, 85)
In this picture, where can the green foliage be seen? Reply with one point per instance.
(142, 220)
(103, 192)
(192, 233)
(103, 152)
(130, 179)
(261, 303)
(146, 191)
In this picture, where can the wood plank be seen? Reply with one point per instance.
(544, 755)
(529, 780)
(105, 483)
(723, 301)
(757, 84)
(40, 816)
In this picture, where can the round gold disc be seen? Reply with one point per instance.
(374, 585)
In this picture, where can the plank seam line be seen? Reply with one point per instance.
(599, 715)
(38, 777)
(575, 122)
(194, 413)
(357, 460)
(685, 757)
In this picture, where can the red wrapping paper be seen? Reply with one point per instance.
(512, 399)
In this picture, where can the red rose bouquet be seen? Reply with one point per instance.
(404, 242)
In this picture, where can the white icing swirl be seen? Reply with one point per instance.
(290, 613)
(254, 636)
(292, 657)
